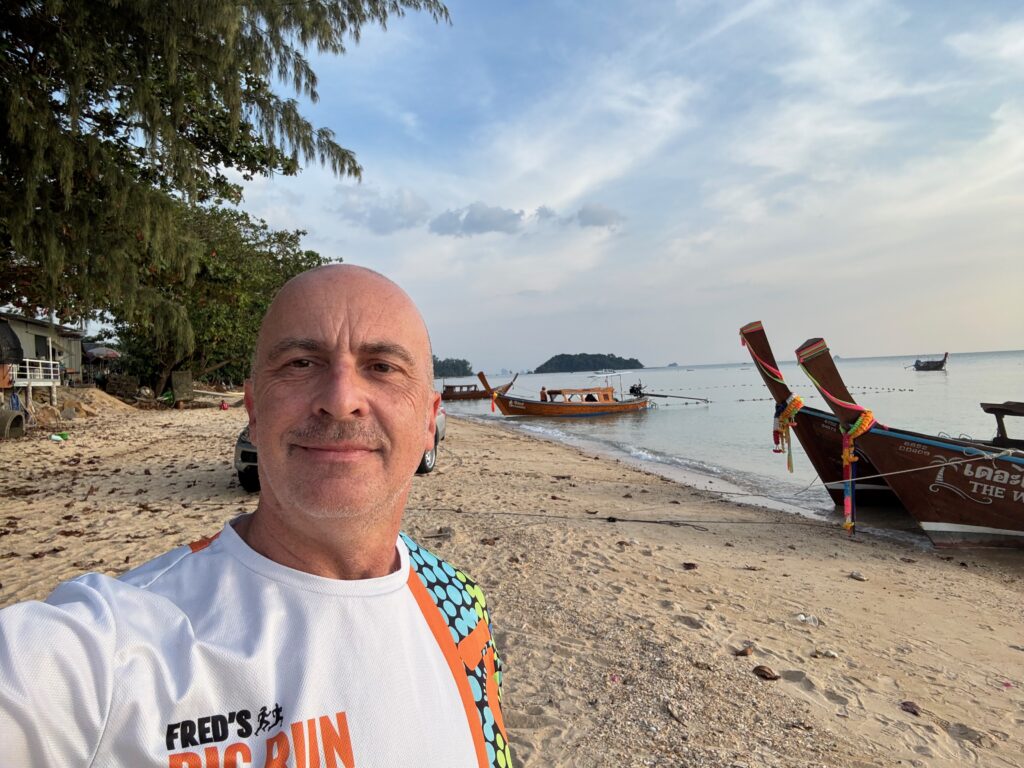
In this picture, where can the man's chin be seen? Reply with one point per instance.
(316, 499)
(325, 507)
(334, 498)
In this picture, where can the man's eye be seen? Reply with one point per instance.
(300, 363)
(383, 367)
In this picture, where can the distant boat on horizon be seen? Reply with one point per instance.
(931, 365)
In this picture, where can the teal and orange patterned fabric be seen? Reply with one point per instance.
(471, 653)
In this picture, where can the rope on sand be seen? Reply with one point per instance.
(696, 524)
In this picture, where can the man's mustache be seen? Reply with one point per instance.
(328, 431)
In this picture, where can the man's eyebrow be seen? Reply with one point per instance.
(388, 349)
(287, 345)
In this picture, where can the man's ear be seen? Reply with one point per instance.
(431, 425)
(250, 409)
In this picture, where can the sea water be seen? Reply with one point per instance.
(726, 445)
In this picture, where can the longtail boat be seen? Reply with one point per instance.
(931, 365)
(590, 401)
(961, 492)
(472, 391)
(817, 430)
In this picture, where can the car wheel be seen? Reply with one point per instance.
(428, 461)
(249, 479)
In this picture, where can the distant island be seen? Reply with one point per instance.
(451, 366)
(673, 365)
(584, 362)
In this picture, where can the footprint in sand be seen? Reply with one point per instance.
(962, 732)
(801, 678)
(693, 622)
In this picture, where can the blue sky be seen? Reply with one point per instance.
(644, 178)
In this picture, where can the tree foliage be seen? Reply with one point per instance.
(114, 111)
(242, 264)
(587, 362)
(451, 366)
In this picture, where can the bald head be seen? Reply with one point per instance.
(329, 290)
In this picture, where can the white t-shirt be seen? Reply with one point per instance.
(213, 656)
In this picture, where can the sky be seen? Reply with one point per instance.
(642, 179)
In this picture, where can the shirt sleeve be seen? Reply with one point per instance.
(56, 678)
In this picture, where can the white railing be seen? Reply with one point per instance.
(36, 372)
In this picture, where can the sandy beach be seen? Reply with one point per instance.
(631, 611)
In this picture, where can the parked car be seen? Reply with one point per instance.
(249, 479)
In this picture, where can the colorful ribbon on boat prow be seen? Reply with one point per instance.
(770, 370)
(785, 417)
(865, 421)
(863, 424)
(785, 413)
(494, 399)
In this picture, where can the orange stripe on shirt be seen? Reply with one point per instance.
(471, 647)
(198, 546)
(451, 654)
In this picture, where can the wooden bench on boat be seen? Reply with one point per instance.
(1000, 411)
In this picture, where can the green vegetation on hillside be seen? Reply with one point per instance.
(587, 362)
(451, 367)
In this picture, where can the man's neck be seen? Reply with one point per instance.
(345, 549)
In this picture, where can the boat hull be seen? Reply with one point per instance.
(517, 406)
(818, 433)
(476, 394)
(962, 493)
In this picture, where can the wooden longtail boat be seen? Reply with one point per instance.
(931, 365)
(817, 430)
(472, 391)
(961, 492)
(592, 401)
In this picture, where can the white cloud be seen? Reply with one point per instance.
(997, 45)
(816, 139)
(593, 127)
(382, 213)
(477, 219)
(839, 53)
(738, 16)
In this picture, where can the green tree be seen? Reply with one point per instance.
(451, 366)
(241, 265)
(111, 112)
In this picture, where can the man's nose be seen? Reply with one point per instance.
(342, 392)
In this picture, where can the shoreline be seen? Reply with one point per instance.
(619, 638)
(880, 522)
